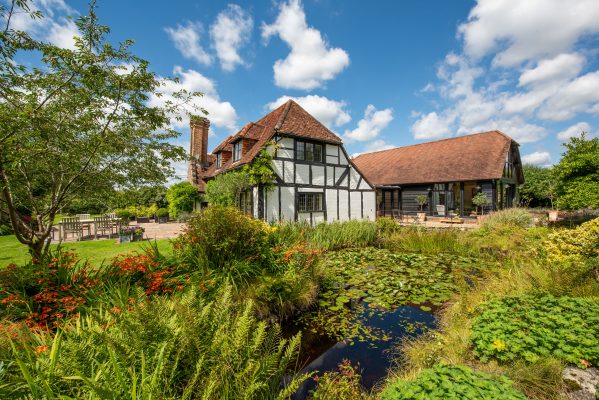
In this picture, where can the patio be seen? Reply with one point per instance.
(152, 231)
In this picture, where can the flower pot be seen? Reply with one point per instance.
(421, 216)
(162, 220)
(553, 215)
(124, 238)
(138, 237)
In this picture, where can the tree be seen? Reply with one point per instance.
(181, 198)
(224, 188)
(480, 201)
(538, 188)
(77, 125)
(577, 174)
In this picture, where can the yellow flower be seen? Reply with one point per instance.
(499, 345)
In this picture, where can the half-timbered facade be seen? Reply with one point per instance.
(316, 180)
(450, 172)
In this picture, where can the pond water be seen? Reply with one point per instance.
(373, 355)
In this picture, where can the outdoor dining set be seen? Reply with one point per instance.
(82, 225)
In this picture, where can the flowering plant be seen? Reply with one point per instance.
(131, 230)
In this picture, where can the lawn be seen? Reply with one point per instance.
(96, 251)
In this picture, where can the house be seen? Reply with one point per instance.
(450, 172)
(315, 178)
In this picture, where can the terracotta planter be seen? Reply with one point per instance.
(553, 214)
(421, 216)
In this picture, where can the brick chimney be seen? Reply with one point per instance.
(198, 148)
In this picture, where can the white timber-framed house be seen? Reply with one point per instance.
(316, 180)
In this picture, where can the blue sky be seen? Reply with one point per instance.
(379, 74)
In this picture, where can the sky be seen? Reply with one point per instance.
(379, 74)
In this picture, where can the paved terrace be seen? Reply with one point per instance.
(153, 231)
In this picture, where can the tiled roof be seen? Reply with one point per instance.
(289, 118)
(480, 156)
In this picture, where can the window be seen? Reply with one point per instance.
(245, 202)
(237, 151)
(309, 202)
(308, 151)
(219, 160)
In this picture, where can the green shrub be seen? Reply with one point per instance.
(528, 327)
(452, 382)
(178, 347)
(5, 229)
(217, 236)
(519, 217)
(162, 212)
(338, 235)
(181, 198)
(574, 244)
(123, 214)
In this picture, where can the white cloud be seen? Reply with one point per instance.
(63, 35)
(515, 127)
(431, 126)
(378, 145)
(221, 113)
(579, 95)
(330, 112)
(527, 30)
(54, 27)
(371, 125)
(537, 158)
(187, 40)
(231, 30)
(574, 131)
(561, 68)
(311, 61)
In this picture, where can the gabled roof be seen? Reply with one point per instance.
(290, 119)
(479, 156)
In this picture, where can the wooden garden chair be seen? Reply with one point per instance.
(72, 225)
(103, 225)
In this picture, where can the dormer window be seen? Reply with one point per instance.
(237, 151)
(219, 159)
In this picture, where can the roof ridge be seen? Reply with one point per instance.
(437, 141)
(291, 101)
(283, 115)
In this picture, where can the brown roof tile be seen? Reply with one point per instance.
(480, 156)
(289, 118)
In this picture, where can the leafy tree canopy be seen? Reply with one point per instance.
(77, 124)
(577, 174)
(538, 187)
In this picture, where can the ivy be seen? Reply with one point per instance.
(528, 327)
(224, 188)
(452, 382)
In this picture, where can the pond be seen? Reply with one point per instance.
(371, 300)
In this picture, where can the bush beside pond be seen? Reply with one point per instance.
(530, 327)
(452, 382)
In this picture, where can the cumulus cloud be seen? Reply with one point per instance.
(537, 158)
(330, 112)
(54, 28)
(187, 40)
(311, 61)
(221, 113)
(542, 76)
(431, 126)
(527, 30)
(371, 125)
(574, 131)
(231, 30)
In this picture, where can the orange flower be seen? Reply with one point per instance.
(41, 349)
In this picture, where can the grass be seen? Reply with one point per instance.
(96, 251)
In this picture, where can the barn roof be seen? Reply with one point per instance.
(479, 156)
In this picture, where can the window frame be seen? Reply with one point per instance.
(310, 198)
(237, 148)
(245, 202)
(219, 159)
(301, 150)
